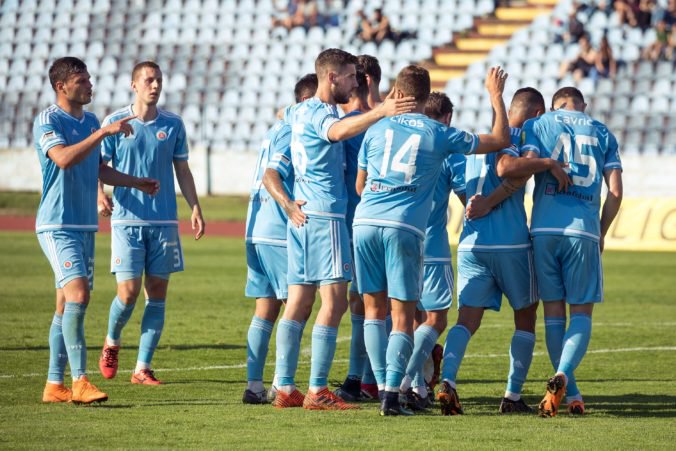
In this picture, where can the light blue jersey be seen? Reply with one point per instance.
(590, 149)
(266, 220)
(452, 178)
(318, 163)
(68, 199)
(505, 227)
(352, 147)
(149, 152)
(403, 156)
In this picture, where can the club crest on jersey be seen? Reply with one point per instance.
(161, 135)
(346, 267)
(67, 264)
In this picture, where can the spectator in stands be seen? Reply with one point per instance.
(299, 13)
(377, 29)
(635, 13)
(605, 65)
(573, 29)
(582, 65)
(667, 14)
(328, 12)
(658, 49)
(670, 52)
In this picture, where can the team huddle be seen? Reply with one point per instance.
(349, 190)
(360, 196)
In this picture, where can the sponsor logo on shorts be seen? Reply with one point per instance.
(161, 135)
(170, 243)
(118, 261)
(67, 264)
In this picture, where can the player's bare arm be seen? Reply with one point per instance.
(361, 181)
(611, 206)
(499, 137)
(352, 126)
(68, 156)
(110, 176)
(186, 183)
(557, 169)
(273, 183)
(104, 202)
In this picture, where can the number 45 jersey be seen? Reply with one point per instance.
(590, 149)
(403, 156)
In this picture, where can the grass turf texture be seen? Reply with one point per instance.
(630, 396)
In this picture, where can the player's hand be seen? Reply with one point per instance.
(147, 185)
(295, 214)
(121, 126)
(495, 80)
(393, 106)
(557, 169)
(477, 207)
(105, 205)
(197, 222)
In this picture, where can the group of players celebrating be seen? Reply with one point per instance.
(349, 189)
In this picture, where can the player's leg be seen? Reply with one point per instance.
(350, 389)
(375, 334)
(55, 390)
(258, 342)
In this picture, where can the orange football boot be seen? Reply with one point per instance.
(326, 400)
(556, 389)
(56, 393)
(284, 400)
(84, 392)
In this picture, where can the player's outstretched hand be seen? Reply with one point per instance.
(495, 80)
(121, 126)
(561, 176)
(197, 222)
(477, 207)
(295, 214)
(393, 106)
(147, 185)
(105, 205)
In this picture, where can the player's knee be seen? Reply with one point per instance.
(268, 309)
(471, 324)
(438, 322)
(525, 319)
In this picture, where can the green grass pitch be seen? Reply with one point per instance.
(628, 377)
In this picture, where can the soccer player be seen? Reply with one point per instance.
(318, 242)
(144, 236)
(495, 258)
(399, 165)
(438, 283)
(567, 234)
(371, 68)
(266, 245)
(67, 140)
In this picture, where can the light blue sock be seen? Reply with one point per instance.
(454, 350)
(151, 329)
(520, 357)
(399, 351)
(357, 348)
(118, 317)
(58, 357)
(72, 327)
(288, 349)
(424, 339)
(418, 378)
(323, 350)
(257, 345)
(388, 325)
(367, 376)
(575, 344)
(555, 329)
(375, 338)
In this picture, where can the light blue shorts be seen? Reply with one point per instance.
(70, 253)
(568, 268)
(483, 277)
(388, 259)
(437, 292)
(266, 271)
(153, 249)
(319, 252)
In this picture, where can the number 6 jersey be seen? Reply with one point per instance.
(590, 150)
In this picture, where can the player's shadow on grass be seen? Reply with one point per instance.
(186, 347)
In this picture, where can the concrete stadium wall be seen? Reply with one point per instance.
(231, 172)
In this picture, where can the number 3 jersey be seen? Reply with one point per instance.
(403, 156)
(590, 150)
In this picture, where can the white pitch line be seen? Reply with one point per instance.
(307, 362)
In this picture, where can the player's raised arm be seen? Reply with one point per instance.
(499, 137)
(186, 183)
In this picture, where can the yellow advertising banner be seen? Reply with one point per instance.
(643, 224)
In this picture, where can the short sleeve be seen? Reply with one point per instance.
(280, 153)
(529, 141)
(181, 146)
(48, 132)
(323, 119)
(109, 143)
(458, 141)
(457, 164)
(612, 160)
(512, 150)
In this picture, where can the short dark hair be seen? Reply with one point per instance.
(568, 91)
(334, 59)
(438, 105)
(371, 67)
(63, 68)
(305, 87)
(528, 99)
(362, 89)
(140, 66)
(414, 81)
